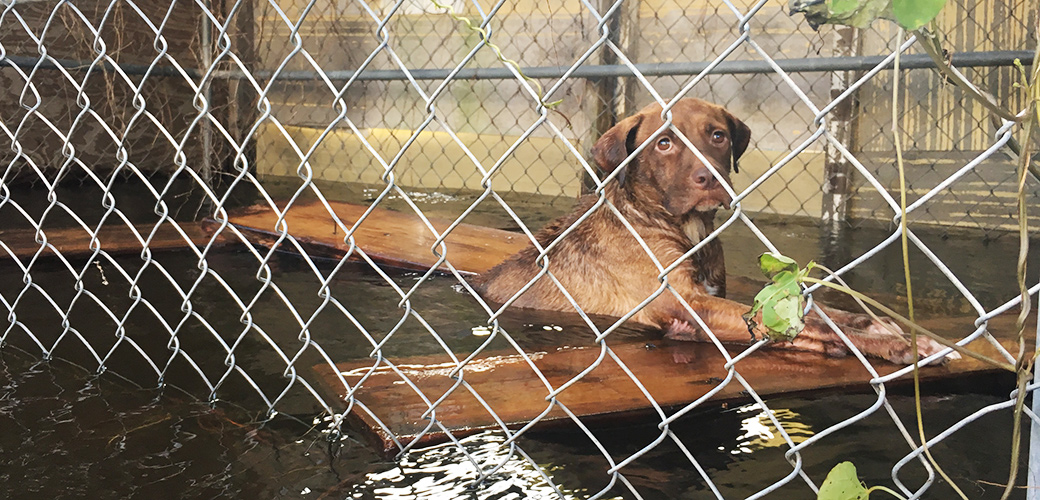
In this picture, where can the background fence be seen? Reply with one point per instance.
(152, 115)
(673, 40)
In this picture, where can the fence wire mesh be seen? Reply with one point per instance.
(124, 124)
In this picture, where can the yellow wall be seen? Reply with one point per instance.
(540, 165)
(435, 160)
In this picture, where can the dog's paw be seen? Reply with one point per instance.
(683, 331)
(881, 338)
(894, 344)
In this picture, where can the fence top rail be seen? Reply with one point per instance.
(993, 58)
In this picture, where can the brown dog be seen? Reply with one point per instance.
(669, 197)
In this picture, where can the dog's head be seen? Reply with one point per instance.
(666, 168)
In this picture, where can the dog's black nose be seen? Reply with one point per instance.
(703, 178)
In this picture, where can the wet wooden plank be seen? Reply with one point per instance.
(397, 239)
(673, 373)
(114, 239)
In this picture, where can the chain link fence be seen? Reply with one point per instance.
(124, 124)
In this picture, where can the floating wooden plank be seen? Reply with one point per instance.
(673, 373)
(394, 238)
(114, 239)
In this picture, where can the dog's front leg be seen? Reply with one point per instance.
(722, 317)
(725, 320)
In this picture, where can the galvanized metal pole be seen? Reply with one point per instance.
(206, 59)
(841, 126)
(980, 59)
(615, 94)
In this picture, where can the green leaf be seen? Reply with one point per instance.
(912, 14)
(766, 295)
(773, 263)
(790, 309)
(781, 302)
(842, 484)
(783, 318)
(843, 8)
(857, 13)
(788, 280)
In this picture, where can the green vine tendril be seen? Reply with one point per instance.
(498, 52)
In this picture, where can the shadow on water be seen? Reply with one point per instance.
(72, 434)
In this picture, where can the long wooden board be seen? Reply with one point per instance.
(114, 239)
(673, 374)
(394, 238)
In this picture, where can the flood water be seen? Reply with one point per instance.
(69, 433)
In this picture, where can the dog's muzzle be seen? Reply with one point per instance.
(713, 200)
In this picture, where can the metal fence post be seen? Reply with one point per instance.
(206, 62)
(841, 125)
(615, 94)
(240, 99)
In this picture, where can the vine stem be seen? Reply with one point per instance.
(886, 490)
(1024, 363)
(475, 28)
(896, 138)
(930, 41)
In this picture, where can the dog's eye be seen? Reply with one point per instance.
(718, 137)
(664, 144)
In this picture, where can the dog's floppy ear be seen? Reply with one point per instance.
(740, 136)
(616, 144)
